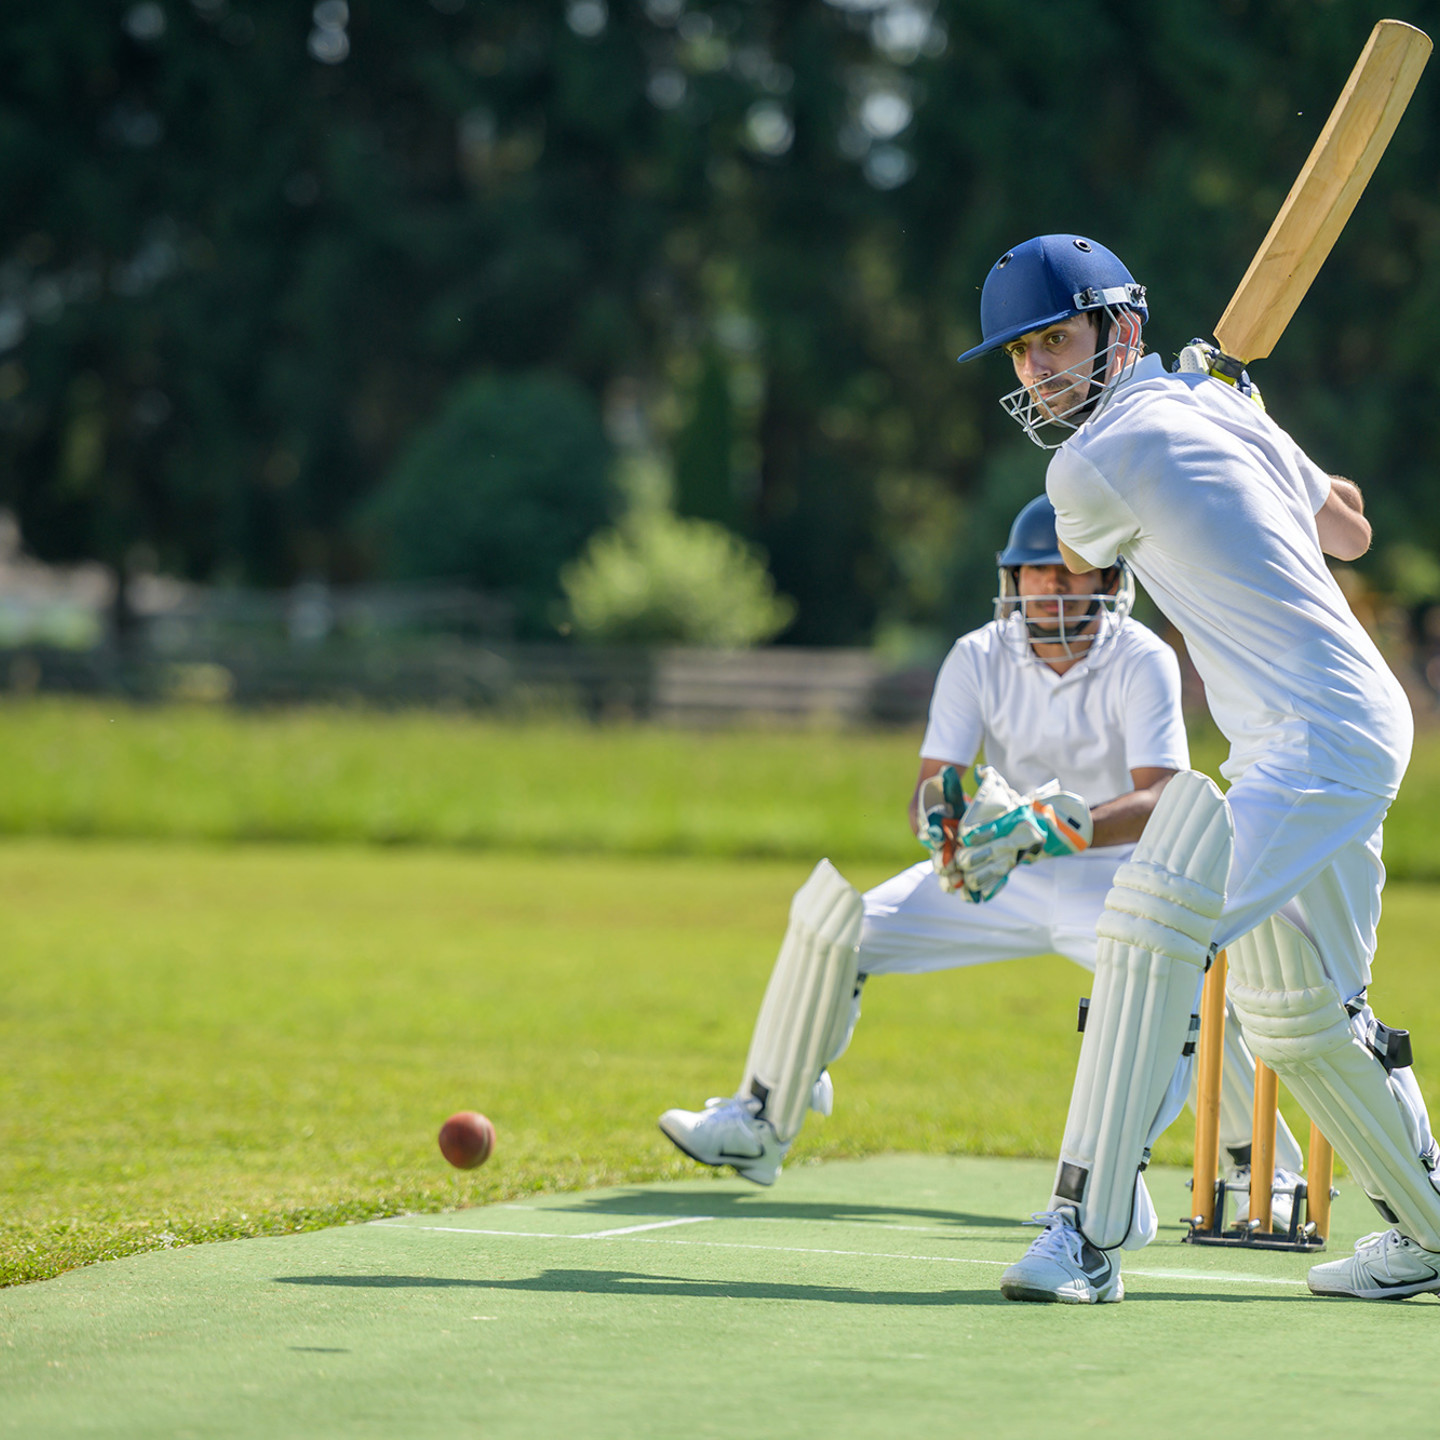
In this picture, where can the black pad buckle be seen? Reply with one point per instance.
(1390, 1046)
(1071, 1184)
(1192, 1036)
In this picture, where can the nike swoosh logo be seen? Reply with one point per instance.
(733, 1155)
(1400, 1284)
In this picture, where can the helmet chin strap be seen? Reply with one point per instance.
(1124, 326)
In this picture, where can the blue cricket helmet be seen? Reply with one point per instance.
(1050, 279)
(1032, 537)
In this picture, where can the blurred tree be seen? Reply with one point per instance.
(247, 247)
(705, 447)
(662, 579)
(500, 489)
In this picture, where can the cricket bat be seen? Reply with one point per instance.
(1324, 194)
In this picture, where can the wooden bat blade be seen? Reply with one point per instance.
(1324, 194)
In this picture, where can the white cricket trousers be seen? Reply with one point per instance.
(1308, 849)
(912, 925)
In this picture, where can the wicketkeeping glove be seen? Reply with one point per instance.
(942, 804)
(1049, 821)
(1200, 357)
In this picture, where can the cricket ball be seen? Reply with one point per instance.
(466, 1139)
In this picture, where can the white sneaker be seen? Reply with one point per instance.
(1385, 1266)
(1062, 1266)
(1282, 1195)
(729, 1131)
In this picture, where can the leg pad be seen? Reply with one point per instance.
(1295, 1022)
(805, 1015)
(1154, 943)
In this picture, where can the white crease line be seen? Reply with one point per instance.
(1192, 1275)
(956, 1230)
(652, 1225)
(1204, 1275)
(472, 1230)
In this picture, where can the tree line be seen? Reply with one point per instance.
(401, 286)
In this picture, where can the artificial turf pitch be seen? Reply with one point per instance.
(855, 1299)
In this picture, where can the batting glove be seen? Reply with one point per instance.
(1200, 357)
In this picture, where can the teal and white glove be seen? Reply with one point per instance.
(1200, 357)
(942, 805)
(1048, 821)
(1065, 818)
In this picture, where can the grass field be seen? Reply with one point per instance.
(253, 961)
(857, 1300)
(215, 1042)
(85, 770)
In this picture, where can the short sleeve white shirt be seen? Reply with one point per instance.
(1213, 506)
(1116, 710)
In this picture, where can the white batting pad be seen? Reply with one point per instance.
(1296, 1023)
(805, 1015)
(1154, 942)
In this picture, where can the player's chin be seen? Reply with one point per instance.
(1058, 405)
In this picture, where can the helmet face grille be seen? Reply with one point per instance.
(1082, 392)
(1083, 625)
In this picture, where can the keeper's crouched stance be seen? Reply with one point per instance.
(1061, 685)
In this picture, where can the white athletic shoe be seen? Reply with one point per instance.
(1282, 1195)
(729, 1131)
(1062, 1266)
(1385, 1266)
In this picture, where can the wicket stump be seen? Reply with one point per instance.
(1207, 1224)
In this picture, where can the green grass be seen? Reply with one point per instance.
(208, 1043)
(860, 1296)
(84, 769)
(231, 1039)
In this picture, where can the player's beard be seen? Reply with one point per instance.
(1063, 395)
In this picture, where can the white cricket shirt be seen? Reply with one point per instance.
(1116, 710)
(1213, 505)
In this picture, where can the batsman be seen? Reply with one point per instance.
(1062, 688)
(1226, 522)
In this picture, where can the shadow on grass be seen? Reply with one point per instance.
(718, 1204)
(624, 1282)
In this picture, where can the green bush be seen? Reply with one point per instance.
(500, 489)
(660, 579)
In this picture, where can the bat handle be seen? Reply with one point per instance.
(1227, 367)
